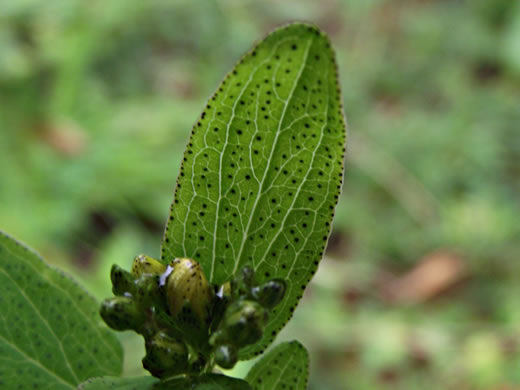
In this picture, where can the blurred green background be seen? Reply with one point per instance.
(419, 288)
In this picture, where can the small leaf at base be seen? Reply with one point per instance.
(203, 382)
(286, 366)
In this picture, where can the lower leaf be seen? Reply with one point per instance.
(114, 383)
(51, 335)
(203, 382)
(286, 366)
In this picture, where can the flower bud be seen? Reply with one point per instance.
(247, 276)
(221, 301)
(121, 313)
(146, 265)
(226, 356)
(243, 325)
(165, 356)
(245, 280)
(148, 294)
(270, 293)
(188, 290)
(122, 281)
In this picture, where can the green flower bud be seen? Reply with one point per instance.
(121, 313)
(122, 281)
(220, 303)
(146, 265)
(188, 290)
(243, 325)
(270, 293)
(226, 356)
(248, 276)
(148, 293)
(245, 280)
(165, 356)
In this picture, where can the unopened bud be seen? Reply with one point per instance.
(148, 293)
(247, 276)
(243, 324)
(226, 356)
(122, 281)
(146, 265)
(188, 289)
(165, 356)
(270, 293)
(121, 313)
(241, 286)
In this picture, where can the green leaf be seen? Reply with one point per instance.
(204, 382)
(115, 383)
(286, 366)
(51, 336)
(262, 172)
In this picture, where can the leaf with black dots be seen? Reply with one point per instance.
(262, 171)
(203, 382)
(286, 366)
(51, 335)
(115, 383)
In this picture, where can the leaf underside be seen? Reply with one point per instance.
(51, 336)
(263, 168)
(203, 382)
(286, 366)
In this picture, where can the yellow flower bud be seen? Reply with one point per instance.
(146, 265)
(188, 289)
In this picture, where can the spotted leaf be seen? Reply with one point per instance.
(115, 383)
(262, 171)
(284, 367)
(51, 336)
(203, 382)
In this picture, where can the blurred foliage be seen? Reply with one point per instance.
(97, 99)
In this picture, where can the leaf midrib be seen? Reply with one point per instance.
(221, 156)
(269, 161)
(282, 371)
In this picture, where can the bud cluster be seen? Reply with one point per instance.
(187, 323)
(245, 315)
